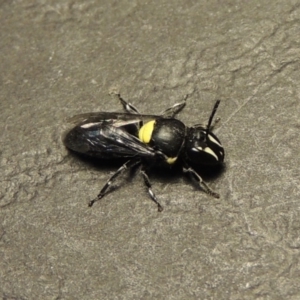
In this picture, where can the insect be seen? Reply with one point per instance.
(146, 141)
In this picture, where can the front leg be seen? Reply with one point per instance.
(195, 176)
(213, 126)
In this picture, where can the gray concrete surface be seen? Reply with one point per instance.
(60, 58)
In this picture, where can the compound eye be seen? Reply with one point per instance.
(200, 139)
(202, 136)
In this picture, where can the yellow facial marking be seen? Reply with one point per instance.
(171, 160)
(145, 132)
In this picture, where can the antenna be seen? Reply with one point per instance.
(212, 116)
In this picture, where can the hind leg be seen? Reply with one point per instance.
(128, 165)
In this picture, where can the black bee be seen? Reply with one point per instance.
(146, 140)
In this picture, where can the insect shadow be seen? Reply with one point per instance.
(172, 175)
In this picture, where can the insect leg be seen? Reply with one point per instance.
(128, 165)
(150, 191)
(195, 176)
(128, 106)
(212, 126)
(172, 111)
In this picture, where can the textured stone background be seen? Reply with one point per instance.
(60, 58)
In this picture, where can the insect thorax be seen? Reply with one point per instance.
(164, 135)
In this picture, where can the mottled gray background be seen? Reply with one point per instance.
(60, 58)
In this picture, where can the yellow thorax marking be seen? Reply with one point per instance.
(145, 132)
(171, 160)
